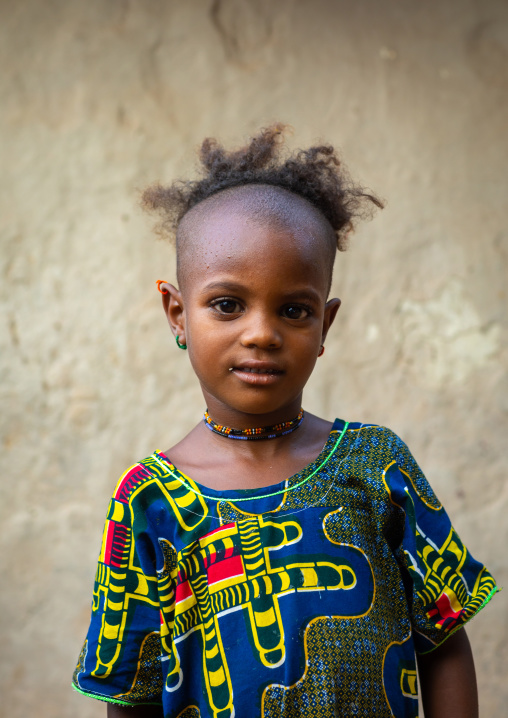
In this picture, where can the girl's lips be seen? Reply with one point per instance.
(258, 376)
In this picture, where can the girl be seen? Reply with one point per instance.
(225, 588)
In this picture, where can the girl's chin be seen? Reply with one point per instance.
(259, 404)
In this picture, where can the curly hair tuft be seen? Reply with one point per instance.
(316, 174)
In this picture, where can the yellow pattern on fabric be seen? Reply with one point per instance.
(444, 584)
(190, 509)
(111, 579)
(258, 587)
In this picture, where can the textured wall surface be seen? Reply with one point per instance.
(99, 98)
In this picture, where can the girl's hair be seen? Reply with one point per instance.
(315, 174)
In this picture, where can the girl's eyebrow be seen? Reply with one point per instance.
(304, 293)
(227, 286)
(307, 293)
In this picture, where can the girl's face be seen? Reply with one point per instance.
(253, 313)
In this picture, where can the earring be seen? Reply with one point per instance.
(321, 351)
(180, 346)
(158, 283)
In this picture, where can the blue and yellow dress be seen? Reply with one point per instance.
(308, 598)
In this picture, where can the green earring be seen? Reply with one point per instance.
(180, 346)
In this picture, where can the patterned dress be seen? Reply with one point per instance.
(308, 598)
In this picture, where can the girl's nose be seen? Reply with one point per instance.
(260, 331)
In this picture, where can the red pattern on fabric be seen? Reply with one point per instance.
(183, 591)
(445, 611)
(133, 477)
(227, 568)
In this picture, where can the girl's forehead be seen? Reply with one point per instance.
(238, 248)
(253, 224)
(257, 259)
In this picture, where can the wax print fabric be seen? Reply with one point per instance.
(308, 602)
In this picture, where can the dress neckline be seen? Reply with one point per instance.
(335, 436)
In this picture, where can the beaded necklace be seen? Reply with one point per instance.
(263, 432)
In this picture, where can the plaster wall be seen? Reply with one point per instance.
(97, 99)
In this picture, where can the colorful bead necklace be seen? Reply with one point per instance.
(263, 432)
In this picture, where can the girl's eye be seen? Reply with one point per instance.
(294, 311)
(227, 306)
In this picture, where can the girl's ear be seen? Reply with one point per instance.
(331, 309)
(172, 303)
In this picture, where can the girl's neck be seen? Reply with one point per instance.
(220, 463)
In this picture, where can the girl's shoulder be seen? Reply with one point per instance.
(370, 436)
(138, 476)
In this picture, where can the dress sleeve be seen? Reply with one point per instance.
(120, 658)
(445, 585)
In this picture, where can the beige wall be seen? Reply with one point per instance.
(99, 98)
